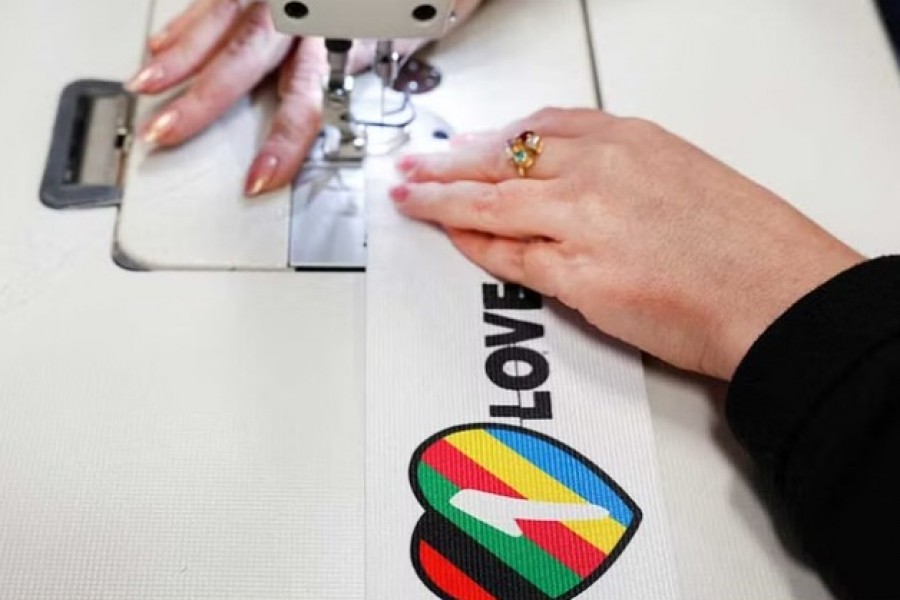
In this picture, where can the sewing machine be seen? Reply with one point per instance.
(191, 432)
(319, 223)
(318, 239)
(346, 136)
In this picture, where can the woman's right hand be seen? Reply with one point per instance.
(652, 240)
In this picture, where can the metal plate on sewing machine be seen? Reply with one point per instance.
(328, 218)
(328, 204)
(184, 207)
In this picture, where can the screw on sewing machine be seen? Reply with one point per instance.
(424, 12)
(296, 10)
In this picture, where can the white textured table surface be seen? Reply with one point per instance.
(161, 433)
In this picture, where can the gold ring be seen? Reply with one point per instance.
(524, 150)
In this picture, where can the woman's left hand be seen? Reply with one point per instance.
(652, 240)
(223, 49)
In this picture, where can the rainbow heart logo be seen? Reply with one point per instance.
(512, 514)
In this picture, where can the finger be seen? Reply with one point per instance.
(297, 123)
(255, 49)
(553, 122)
(556, 122)
(194, 48)
(537, 265)
(288, 70)
(474, 137)
(512, 209)
(501, 257)
(175, 28)
(485, 160)
(559, 122)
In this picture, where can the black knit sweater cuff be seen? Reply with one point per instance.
(790, 370)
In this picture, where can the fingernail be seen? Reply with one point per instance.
(407, 164)
(261, 174)
(160, 126)
(145, 77)
(160, 39)
(399, 194)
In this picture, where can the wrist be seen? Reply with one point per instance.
(776, 289)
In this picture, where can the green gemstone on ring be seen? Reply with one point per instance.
(520, 156)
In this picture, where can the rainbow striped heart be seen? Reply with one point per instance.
(512, 514)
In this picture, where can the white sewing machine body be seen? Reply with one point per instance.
(198, 430)
(363, 19)
(320, 223)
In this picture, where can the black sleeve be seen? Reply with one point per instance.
(816, 402)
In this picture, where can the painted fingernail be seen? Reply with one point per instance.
(400, 194)
(160, 126)
(407, 164)
(144, 78)
(261, 174)
(158, 41)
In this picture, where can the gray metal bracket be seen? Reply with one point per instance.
(90, 140)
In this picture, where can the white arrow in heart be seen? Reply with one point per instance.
(502, 512)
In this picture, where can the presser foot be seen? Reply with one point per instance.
(328, 204)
